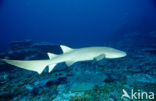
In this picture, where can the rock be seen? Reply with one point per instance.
(144, 78)
(29, 88)
(20, 45)
(150, 50)
(31, 57)
(6, 67)
(21, 53)
(29, 51)
(153, 72)
(47, 47)
(36, 91)
(50, 82)
(6, 96)
(27, 54)
(135, 69)
(62, 88)
(67, 96)
(43, 87)
(61, 67)
(3, 78)
(82, 82)
(82, 86)
(3, 54)
(115, 77)
(83, 67)
(108, 80)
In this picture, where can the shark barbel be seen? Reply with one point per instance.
(69, 56)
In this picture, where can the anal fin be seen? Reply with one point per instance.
(51, 67)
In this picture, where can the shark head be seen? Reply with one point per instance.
(114, 53)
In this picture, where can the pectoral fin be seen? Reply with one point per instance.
(100, 57)
(69, 63)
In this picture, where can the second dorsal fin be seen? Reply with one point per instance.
(51, 55)
(65, 49)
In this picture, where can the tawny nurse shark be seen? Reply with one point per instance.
(69, 56)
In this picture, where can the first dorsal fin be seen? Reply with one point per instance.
(65, 49)
(51, 55)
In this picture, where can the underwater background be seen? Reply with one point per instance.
(31, 28)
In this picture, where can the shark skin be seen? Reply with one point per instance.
(69, 56)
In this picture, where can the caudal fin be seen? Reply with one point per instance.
(37, 65)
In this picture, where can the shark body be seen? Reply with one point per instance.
(69, 56)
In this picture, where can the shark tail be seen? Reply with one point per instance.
(39, 65)
(32, 65)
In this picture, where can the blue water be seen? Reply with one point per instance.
(74, 22)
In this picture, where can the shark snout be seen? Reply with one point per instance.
(119, 54)
(116, 54)
(123, 54)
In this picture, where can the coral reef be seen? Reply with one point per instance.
(83, 81)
